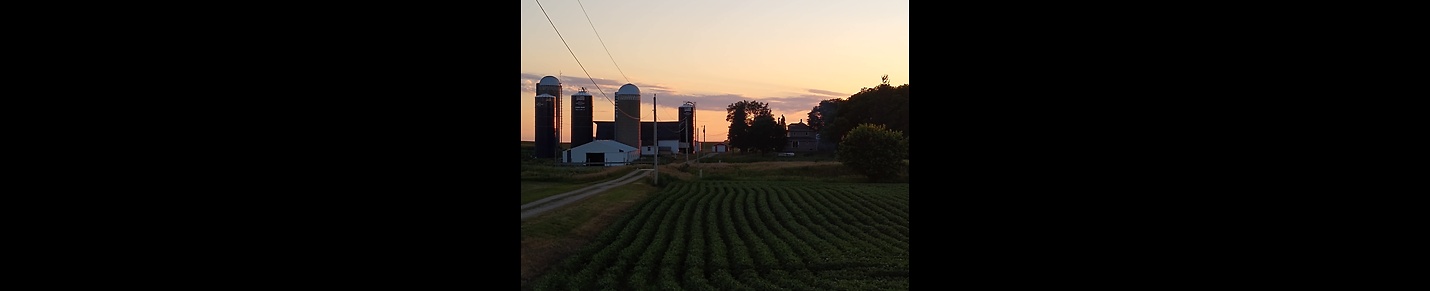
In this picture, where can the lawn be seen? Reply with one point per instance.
(554, 235)
(535, 190)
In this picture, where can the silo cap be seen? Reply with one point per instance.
(628, 89)
(549, 80)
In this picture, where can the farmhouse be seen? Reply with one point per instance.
(801, 138)
(601, 152)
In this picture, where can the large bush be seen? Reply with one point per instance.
(874, 151)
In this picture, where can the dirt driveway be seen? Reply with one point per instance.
(537, 207)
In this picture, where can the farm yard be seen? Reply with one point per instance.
(748, 235)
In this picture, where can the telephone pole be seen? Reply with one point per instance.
(689, 144)
(655, 136)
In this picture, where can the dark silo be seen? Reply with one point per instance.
(582, 127)
(545, 126)
(628, 115)
(548, 118)
(687, 126)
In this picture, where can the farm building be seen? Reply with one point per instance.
(666, 147)
(671, 134)
(601, 152)
(720, 147)
(801, 138)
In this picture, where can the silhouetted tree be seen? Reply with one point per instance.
(822, 115)
(739, 127)
(766, 134)
(750, 108)
(753, 127)
(875, 151)
(882, 105)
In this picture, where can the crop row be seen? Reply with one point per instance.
(747, 235)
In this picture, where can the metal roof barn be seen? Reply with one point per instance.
(601, 152)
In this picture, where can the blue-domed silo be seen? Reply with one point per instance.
(548, 117)
(628, 115)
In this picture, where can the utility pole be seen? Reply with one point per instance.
(655, 136)
(689, 144)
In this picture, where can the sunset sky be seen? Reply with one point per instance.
(789, 53)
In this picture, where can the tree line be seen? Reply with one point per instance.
(884, 105)
(754, 128)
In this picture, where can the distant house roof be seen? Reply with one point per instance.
(800, 127)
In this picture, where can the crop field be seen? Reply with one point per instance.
(749, 235)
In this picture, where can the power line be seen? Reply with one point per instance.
(578, 62)
(603, 42)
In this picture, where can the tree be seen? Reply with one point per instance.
(738, 127)
(766, 134)
(753, 127)
(874, 151)
(883, 105)
(779, 135)
(751, 108)
(823, 115)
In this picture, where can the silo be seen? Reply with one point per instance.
(687, 125)
(545, 126)
(548, 118)
(582, 127)
(628, 115)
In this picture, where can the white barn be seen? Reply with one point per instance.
(666, 147)
(601, 152)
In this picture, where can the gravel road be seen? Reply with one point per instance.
(534, 208)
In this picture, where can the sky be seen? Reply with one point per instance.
(789, 53)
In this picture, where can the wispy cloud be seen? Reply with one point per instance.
(605, 84)
(528, 82)
(801, 103)
(580, 81)
(798, 103)
(574, 84)
(670, 97)
(828, 93)
(708, 102)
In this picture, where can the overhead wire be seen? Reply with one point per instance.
(578, 62)
(603, 42)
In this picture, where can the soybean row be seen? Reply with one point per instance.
(749, 235)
